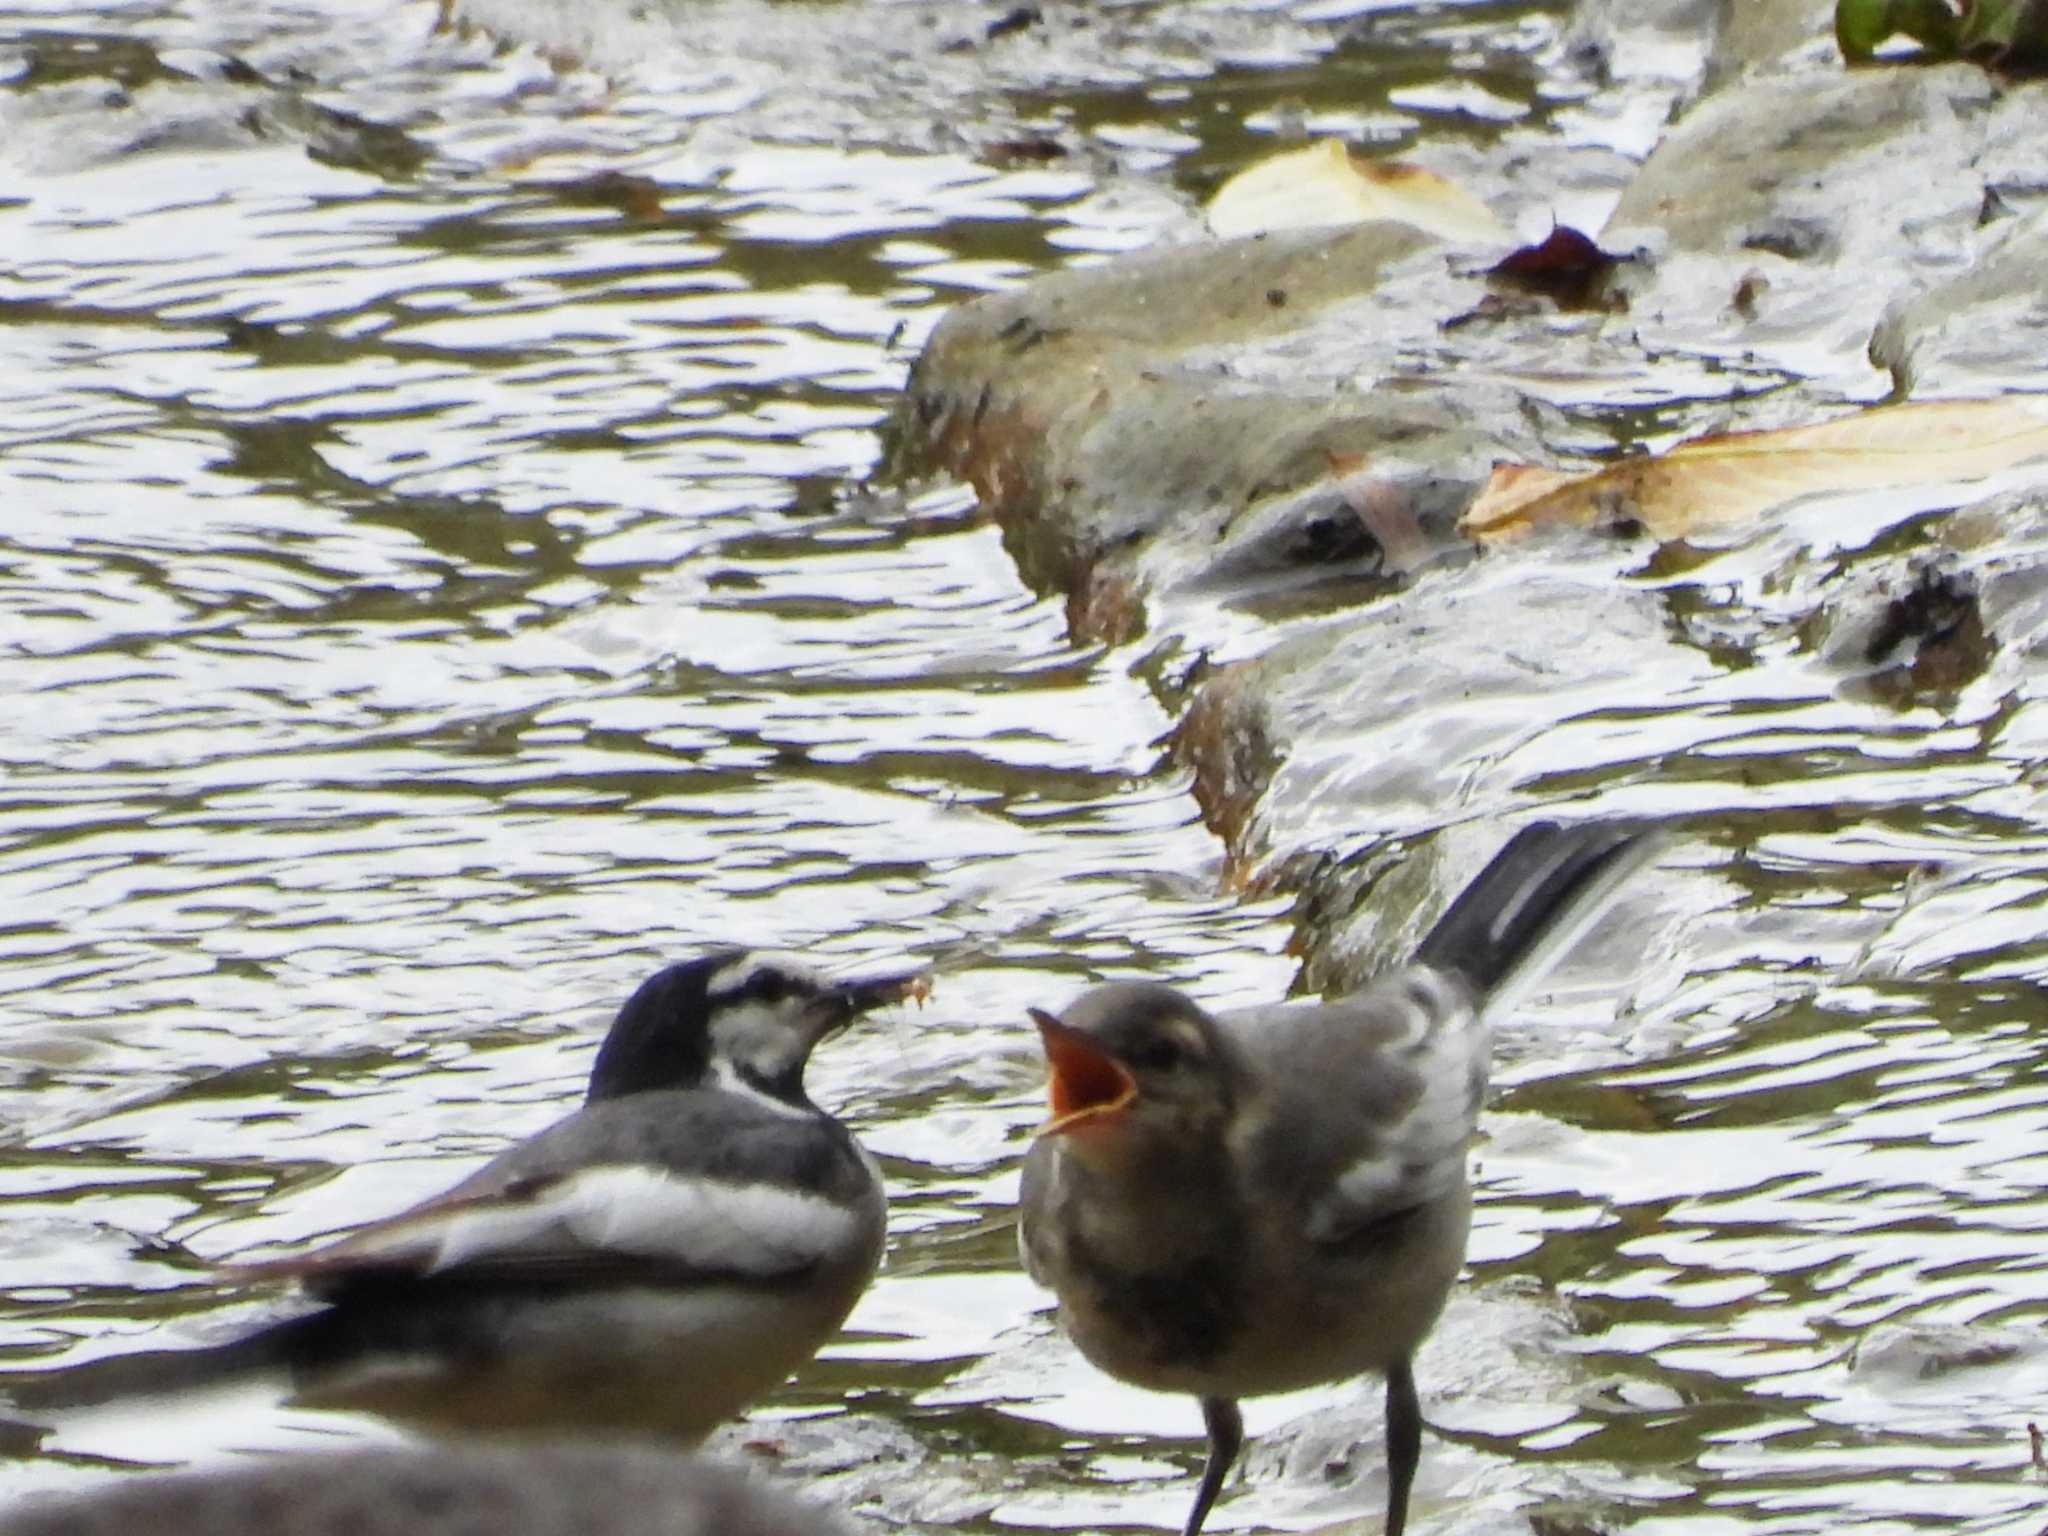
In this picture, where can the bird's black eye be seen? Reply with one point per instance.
(769, 986)
(1160, 1055)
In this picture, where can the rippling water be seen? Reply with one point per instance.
(437, 586)
(433, 601)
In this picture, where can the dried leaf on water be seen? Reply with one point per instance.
(1734, 477)
(1326, 184)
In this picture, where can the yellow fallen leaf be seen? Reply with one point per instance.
(1326, 184)
(1510, 488)
(1711, 482)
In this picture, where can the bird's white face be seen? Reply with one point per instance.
(766, 1010)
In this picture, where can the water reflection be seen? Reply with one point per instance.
(429, 600)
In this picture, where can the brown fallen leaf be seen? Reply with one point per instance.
(1565, 266)
(1734, 477)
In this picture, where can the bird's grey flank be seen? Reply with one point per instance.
(651, 1263)
(1260, 1200)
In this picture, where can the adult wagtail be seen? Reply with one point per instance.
(438, 1490)
(1250, 1202)
(655, 1261)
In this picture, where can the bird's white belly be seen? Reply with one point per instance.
(677, 1363)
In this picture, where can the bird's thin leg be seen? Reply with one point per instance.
(1404, 1443)
(1226, 1434)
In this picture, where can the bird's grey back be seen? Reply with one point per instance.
(1391, 1074)
(1375, 1095)
(441, 1490)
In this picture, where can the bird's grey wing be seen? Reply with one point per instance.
(714, 1186)
(1367, 1105)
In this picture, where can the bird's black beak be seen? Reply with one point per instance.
(1087, 1085)
(858, 994)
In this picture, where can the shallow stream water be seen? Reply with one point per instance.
(438, 586)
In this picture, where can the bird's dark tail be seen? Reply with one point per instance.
(162, 1372)
(1538, 895)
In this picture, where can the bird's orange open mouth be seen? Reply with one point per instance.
(1084, 1082)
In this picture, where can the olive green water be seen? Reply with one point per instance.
(437, 587)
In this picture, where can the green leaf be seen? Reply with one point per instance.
(2015, 32)
(1863, 26)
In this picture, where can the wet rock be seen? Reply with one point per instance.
(1920, 638)
(1430, 706)
(1250, 450)
(1914, 628)
(78, 124)
(1127, 430)
(1983, 331)
(1286, 425)
(2002, 543)
(1764, 241)
(1907, 1356)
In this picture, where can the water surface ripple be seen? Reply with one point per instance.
(437, 586)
